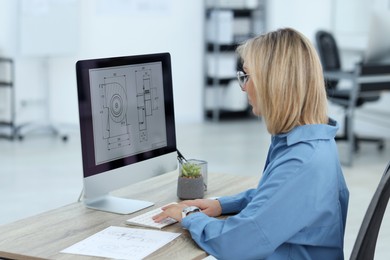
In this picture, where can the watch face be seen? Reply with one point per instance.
(190, 209)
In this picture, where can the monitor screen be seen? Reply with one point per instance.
(126, 121)
(378, 46)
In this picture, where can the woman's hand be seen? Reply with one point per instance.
(171, 211)
(210, 207)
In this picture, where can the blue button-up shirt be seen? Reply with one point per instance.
(297, 211)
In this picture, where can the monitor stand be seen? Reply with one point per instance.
(117, 205)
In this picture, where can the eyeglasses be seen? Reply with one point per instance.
(242, 78)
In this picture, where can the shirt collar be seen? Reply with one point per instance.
(311, 132)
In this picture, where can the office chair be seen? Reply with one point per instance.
(331, 62)
(364, 248)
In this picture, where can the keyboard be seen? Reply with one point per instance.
(145, 219)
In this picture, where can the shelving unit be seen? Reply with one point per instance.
(7, 99)
(228, 23)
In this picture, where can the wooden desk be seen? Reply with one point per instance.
(45, 235)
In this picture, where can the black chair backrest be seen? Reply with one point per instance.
(372, 70)
(329, 54)
(364, 248)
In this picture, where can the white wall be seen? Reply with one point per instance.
(110, 28)
(105, 29)
(8, 21)
(304, 15)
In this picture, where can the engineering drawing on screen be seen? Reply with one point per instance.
(127, 110)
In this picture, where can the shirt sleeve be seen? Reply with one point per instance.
(227, 239)
(271, 215)
(235, 203)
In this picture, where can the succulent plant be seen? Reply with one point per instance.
(190, 170)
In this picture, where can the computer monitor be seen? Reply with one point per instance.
(127, 126)
(378, 45)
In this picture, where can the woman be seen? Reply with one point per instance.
(298, 210)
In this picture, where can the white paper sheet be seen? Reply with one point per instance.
(122, 243)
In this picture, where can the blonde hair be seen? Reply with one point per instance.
(288, 80)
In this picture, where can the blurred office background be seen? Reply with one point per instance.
(45, 39)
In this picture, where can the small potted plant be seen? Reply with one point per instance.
(190, 183)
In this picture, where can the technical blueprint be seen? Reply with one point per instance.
(128, 113)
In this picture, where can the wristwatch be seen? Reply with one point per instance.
(188, 210)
